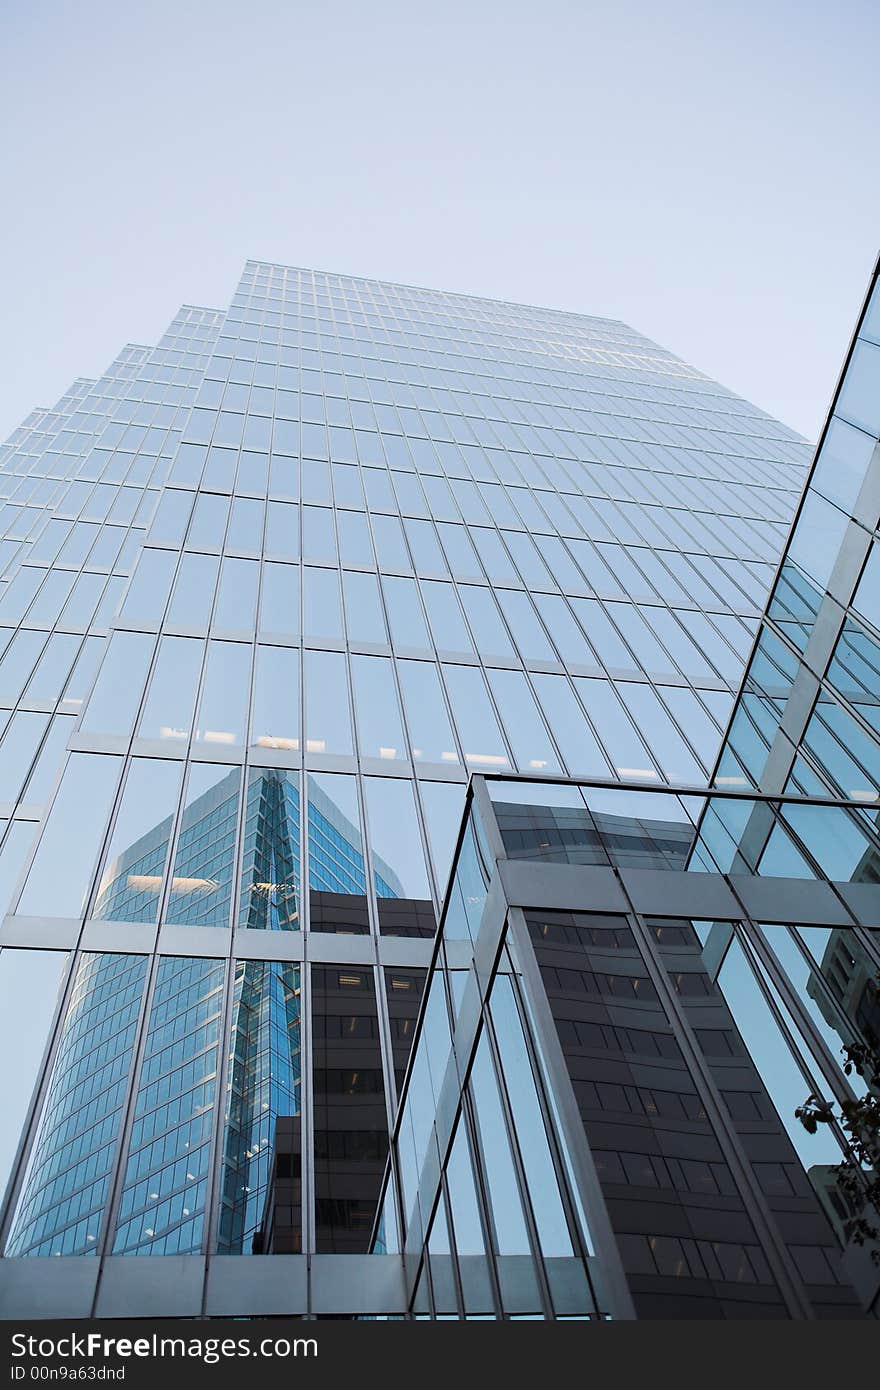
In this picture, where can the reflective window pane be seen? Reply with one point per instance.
(474, 718)
(270, 881)
(87, 1086)
(162, 1207)
(526, 731)
(490, 634)
(171, 695)
(222, 716)
(21, 739)
(208, 526)
(322, 605)
(626, 751)
(117, 691)
(282, 531)
(275, 718)
(328, 718)
(543, 1185)
(237, 597)
(430, 731)
(262, 1138)
(319, 535)
(443, 804)
(351, 1136)
(20, 836)
(405, 613)
(201, 881)
(61, 873)
(463, 1198)
(337, 870)
(279, 603)
(150, 586)
(380, 734)
(194, 590)
(444, 614)
(29, 985)
(363, 607)
(131, 881)
(510, 1236)
(399, 871)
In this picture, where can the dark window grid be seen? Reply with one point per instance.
(638, 1100)
(565, 980)
(719, 1261)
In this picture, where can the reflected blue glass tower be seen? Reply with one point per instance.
(163, 1197)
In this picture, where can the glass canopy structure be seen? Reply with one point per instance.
(282, 600)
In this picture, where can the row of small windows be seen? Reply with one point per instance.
(582, 412)
(693, 501)
(602, 1037)
(554, 388)
(699, 1259)
(590, 417)
(655, 1171)
(673, 367)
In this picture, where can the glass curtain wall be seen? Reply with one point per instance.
(270, 592)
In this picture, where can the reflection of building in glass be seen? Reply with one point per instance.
(336, 858)
(280, 1232)
(62, 1206)
(271, 853)
(686, 1231)
(851, 975)
(630, 1086)
(166, 1169)
(576, 835)
(203, 867)
(131, 883)
(162, 1204)
(351, 1128)
(264, 1095)
(270, 894)
(351, 1132)
(868, 870)
(163, 1199)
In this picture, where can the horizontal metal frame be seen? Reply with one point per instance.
(658, 788)
(195, 1286)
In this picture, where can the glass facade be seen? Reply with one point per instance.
(271, 593)
(639, 1022)
(809, 716)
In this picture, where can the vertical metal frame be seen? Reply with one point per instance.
(541, 1277)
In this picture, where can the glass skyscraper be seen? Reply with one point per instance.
(285, 598)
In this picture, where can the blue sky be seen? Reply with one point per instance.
(706, 172)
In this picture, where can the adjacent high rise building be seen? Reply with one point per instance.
(283, 600)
